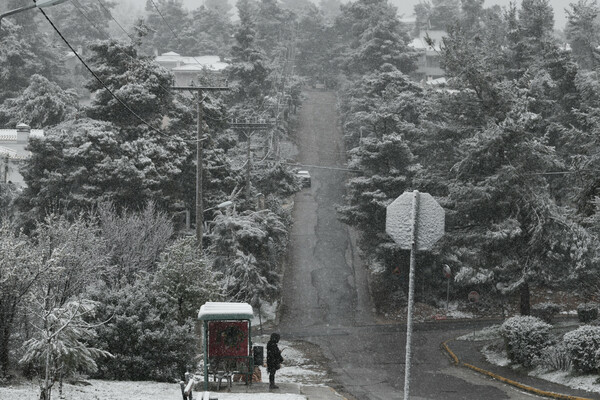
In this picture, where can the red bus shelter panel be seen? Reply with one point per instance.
(228, 338)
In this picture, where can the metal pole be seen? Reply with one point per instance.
(199, 161)
(6, 166)
(248, 164)
(411, 294)
(18, 10)
(205, 336)
(448, 296)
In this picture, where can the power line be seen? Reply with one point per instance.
(113, 18)
(79, 8)
(323, 167)
(170, 28)
(165, 21)
(100, 80)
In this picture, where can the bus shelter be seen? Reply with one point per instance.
(227, 339)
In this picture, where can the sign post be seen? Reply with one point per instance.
(416, 222)
(448, 274)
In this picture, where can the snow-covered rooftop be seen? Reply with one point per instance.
(9, 146)
(192, 62)
(10, 135)
(420, 43)
(220, 310)
(218, 66)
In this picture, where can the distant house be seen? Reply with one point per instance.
(189, 69)
(13, 153)
(428, 63)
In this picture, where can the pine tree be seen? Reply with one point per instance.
(583, 32)
(41, 105)
(249, 71)
(372, 36)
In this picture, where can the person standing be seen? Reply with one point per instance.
(274, 359)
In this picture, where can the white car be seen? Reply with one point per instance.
(304, 178)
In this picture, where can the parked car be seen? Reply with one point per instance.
(304, 178)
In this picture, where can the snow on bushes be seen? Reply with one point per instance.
(525, 337)
(584, 345)
(555, 358)
(587, 312)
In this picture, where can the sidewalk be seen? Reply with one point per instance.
(469, 354)
(260, 390)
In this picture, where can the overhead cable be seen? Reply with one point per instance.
(139, 118)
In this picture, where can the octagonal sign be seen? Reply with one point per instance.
(430, 221)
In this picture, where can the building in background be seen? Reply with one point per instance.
(12, 152)
(190, 69)
(428, 63)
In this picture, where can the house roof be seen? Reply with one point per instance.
(192, 63)
(199, 67)
(225, 311)
(419, 42)
(9, 146)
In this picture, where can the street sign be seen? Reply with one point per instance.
(430, 221)
(447, 271)
(473, 297)
(415, 221)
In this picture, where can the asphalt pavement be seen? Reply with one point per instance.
(325, 292)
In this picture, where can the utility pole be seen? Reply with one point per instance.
(248, 128)
(199, 151)
(6, 164)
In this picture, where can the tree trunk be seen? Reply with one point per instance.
(4, 347)
(47, 387)
(525, 299)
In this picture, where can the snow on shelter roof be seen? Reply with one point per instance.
(218, 310)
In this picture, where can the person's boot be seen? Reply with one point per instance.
(272, 384)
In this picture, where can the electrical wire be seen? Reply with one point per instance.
(101, 81)
(79, 8)
(169, 26)
(282, 69)
(113, 18)
(323, 167)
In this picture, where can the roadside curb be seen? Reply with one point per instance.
(506, 380)
(336, 393)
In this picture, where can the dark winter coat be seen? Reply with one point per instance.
(274, 358)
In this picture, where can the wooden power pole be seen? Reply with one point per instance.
(199, 152)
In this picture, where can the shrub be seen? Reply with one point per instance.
(545, 311)
(525, 337)
(583, 343)
(143, 334)
(555, 358)
(587, 312)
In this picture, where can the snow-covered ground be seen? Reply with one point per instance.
(488, 333)
(111, 390)
(584, 382)
(259, 396)
(297, 368)
(498, 357)
(495, 357)
(566, 378)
